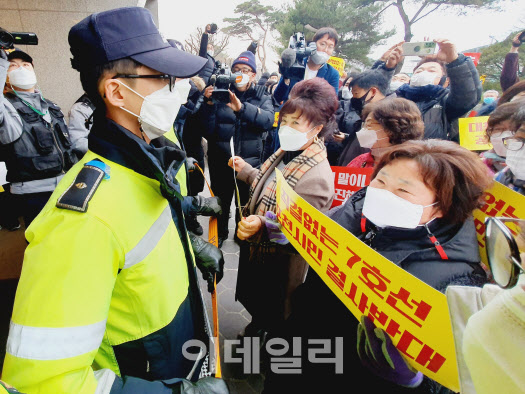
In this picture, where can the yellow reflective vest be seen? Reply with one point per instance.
(94, 282)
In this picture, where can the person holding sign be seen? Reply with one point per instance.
(417, 214)
(388, 122)
(306, 119)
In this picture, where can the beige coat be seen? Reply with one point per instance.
(268, 277)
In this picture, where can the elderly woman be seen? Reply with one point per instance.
(386, 123)
(269, 273)
(499, 127)
(513, 175)
(416, 213)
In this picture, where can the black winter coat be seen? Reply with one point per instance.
(318, 313)
(248, 127)
(441, 109)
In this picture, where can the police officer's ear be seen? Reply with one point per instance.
(113, 92)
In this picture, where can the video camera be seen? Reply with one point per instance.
(293, 57)
(8, 40)
(221, 80)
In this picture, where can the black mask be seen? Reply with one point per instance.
(359, 103)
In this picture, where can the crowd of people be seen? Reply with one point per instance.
(110, 204)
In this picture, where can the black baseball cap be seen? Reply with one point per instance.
(128, 32)
(19, 54)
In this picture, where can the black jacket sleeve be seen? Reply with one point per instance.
(261, 116)
(203, 50)
(465, 87)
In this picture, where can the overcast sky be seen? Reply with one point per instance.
(177, 19)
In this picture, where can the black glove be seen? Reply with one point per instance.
(207, 385)
(206, 206)
(209, 260)
(190, 164)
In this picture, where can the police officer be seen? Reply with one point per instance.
(109, 295)
(34, 139)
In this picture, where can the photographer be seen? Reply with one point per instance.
(246, 118)
(444, 86)
(509, 72)
(34, 137)
(325, 40)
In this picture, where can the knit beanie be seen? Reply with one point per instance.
(247, 58)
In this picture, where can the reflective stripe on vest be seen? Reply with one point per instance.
(51, 343)
(150, 239)
(105, 378)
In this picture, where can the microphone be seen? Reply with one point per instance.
(288, 58)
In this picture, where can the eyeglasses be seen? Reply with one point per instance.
(502, 251)
(513, 143)
(324, 45)
(171, 79)
(243, 70)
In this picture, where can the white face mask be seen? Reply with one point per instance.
(367, 137)
(319, 57)
(245, 79)
(394, 85)
(158, 112)
(385, 209)
(22, 78)
(423, 78)
(346, 93)
(516, 161)
(292, 140)
(496, 140)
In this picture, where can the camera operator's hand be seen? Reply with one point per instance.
(234, 103)
(395, 55)
(515, 43)
(447, 50)
(207, 94)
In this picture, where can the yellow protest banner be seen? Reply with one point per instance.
(472, 133)
(414, 314)
(499, 201)
(338, 64)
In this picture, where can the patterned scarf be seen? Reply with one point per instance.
(292, 172)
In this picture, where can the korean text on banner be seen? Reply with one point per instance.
(474, 56)
(338, 64)
(499, 201)
(414, 314)
(349, 180)
(472, 133)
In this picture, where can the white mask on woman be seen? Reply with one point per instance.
(367, 137)
(423, 78)
(394, 85)
(22, 78)
(496, 140)
(291, 139)
(516, 161)
(385, 209)
(159, 110)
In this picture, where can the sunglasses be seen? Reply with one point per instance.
(502, 251)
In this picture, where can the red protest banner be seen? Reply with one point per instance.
(474, 56)
(349, 180)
